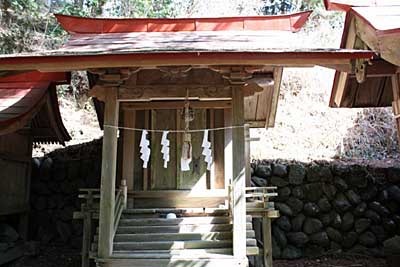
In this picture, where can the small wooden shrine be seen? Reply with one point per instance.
(176, 99)
(373, 25)
(29, 114)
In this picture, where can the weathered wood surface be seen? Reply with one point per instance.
(129, 149)
(108, 175)
(15, 165)
(238, 175)
(161, 178)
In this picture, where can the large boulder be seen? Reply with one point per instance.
(324, 204)
(284, 223)
(392, 246)
(284, 209)
(312, 225)
(349, 240)
(317, 173)
(279, 170)
(295, 204)
(341, 184)
(298, 239)
(347, 221)
(341, 203)
(7, 234)
(263, 170)
(291, 253)
(362, 224)
(360, 209)
(329, 190)
(279, 236)
(320, 238)
(298, 192)
(375, 218)
(376, 206)
(297, 222)
(367, 239)
(369, 193)
(353, 197)
(279, 181)
(336, 220)
(311, 209)
(283, 194)
(313, 192)
(276, 250)
(297, 173)
(334, 234)
(258, 181)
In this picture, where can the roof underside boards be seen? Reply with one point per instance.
(31, 98)
(378, 28)
(290, 22)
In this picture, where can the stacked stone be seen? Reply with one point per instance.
(55, 184)
(327, 207)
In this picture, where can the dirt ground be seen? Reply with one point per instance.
(59, 256)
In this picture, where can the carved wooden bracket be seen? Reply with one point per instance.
(175, 72)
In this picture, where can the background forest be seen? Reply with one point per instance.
(306, 128)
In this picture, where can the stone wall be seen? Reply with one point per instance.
(56, 179)
(331, 207)
(325, 207)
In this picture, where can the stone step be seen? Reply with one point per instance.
(186, 228)
(176, 236)
(177, 221)
(189, 262)
(174, 245)
(199, 253)
(161, 212)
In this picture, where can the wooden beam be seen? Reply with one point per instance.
(108, 175)
(223, 104)
(396, 101)
(275, 98)
(238, 174)
(287, 58)
(174, 92)
(129, 150)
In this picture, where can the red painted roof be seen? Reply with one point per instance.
(382, 18)
(346, 5)
(22, 96)
(291, 22)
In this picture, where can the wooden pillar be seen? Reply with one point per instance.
(129, 152)
(108, 174)
(238, 174)
(396, 102)
(247, 154)
(228, 159)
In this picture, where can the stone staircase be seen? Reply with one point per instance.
(196, 237)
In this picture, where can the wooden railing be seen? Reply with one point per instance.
(259, 205)
(120, 204)
(90, 212)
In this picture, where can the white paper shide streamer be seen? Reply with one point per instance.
(145, 149)
(206, 145)
(186, 157)
(165, 148)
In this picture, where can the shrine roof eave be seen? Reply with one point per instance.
(49, 61)
(346, 5)
(288, 22)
